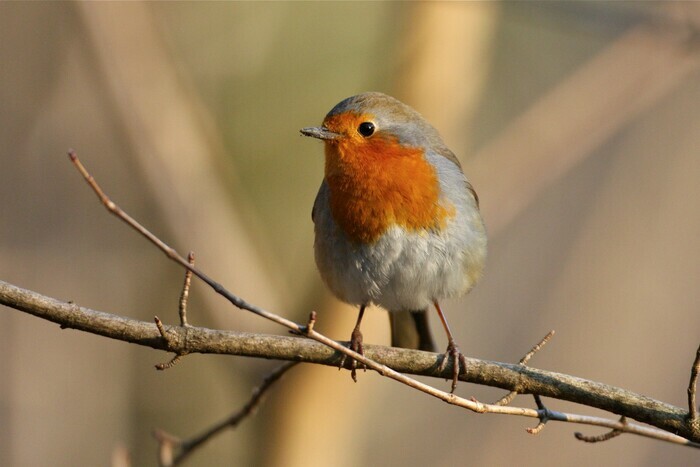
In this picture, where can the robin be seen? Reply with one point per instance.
(396, 221)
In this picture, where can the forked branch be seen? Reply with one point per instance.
(308, 331)
(672, 423)
(173, 450)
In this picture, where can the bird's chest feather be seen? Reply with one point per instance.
(380, 184)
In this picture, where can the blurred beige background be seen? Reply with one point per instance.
(577, 123)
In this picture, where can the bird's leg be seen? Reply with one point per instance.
(356, 346)
(459, 361)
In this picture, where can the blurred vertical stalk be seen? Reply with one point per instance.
(442, 55)
(177, 147)
(444, 62)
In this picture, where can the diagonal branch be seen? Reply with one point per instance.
(508, 398)
(512, 377)
(172, 253)
(173, 450)
(187, 339)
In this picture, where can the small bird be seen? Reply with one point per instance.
(396, 221)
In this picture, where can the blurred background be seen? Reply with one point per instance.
(576, 122)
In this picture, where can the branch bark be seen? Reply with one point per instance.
(512, 377)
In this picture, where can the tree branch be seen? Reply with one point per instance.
(174, 450)
(693, 415)
(389, 362)
(512, 377)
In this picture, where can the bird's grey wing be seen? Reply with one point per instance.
(321, 192)
(449, 155)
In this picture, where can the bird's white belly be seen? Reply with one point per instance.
(402, 270)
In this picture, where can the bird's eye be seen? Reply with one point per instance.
(366, 129)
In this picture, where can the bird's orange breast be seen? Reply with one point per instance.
(376, 183)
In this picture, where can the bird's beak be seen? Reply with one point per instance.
(320, 132)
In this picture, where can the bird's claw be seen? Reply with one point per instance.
(459, 363)
(355, 346)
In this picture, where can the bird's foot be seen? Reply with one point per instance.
(355, 346)
(459, 363)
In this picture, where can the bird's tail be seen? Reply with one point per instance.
(411, 330)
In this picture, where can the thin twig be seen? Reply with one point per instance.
(310, 324)
(615, 432)
(536, 348)
(161, 330)
(182, 310)
(544, 418)
(173, 450)
(384, 370)
(163, 333)
(508, 398)
(173, 361)
(186, 291)
(172, 253)
(194, 339)
(693, 415)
